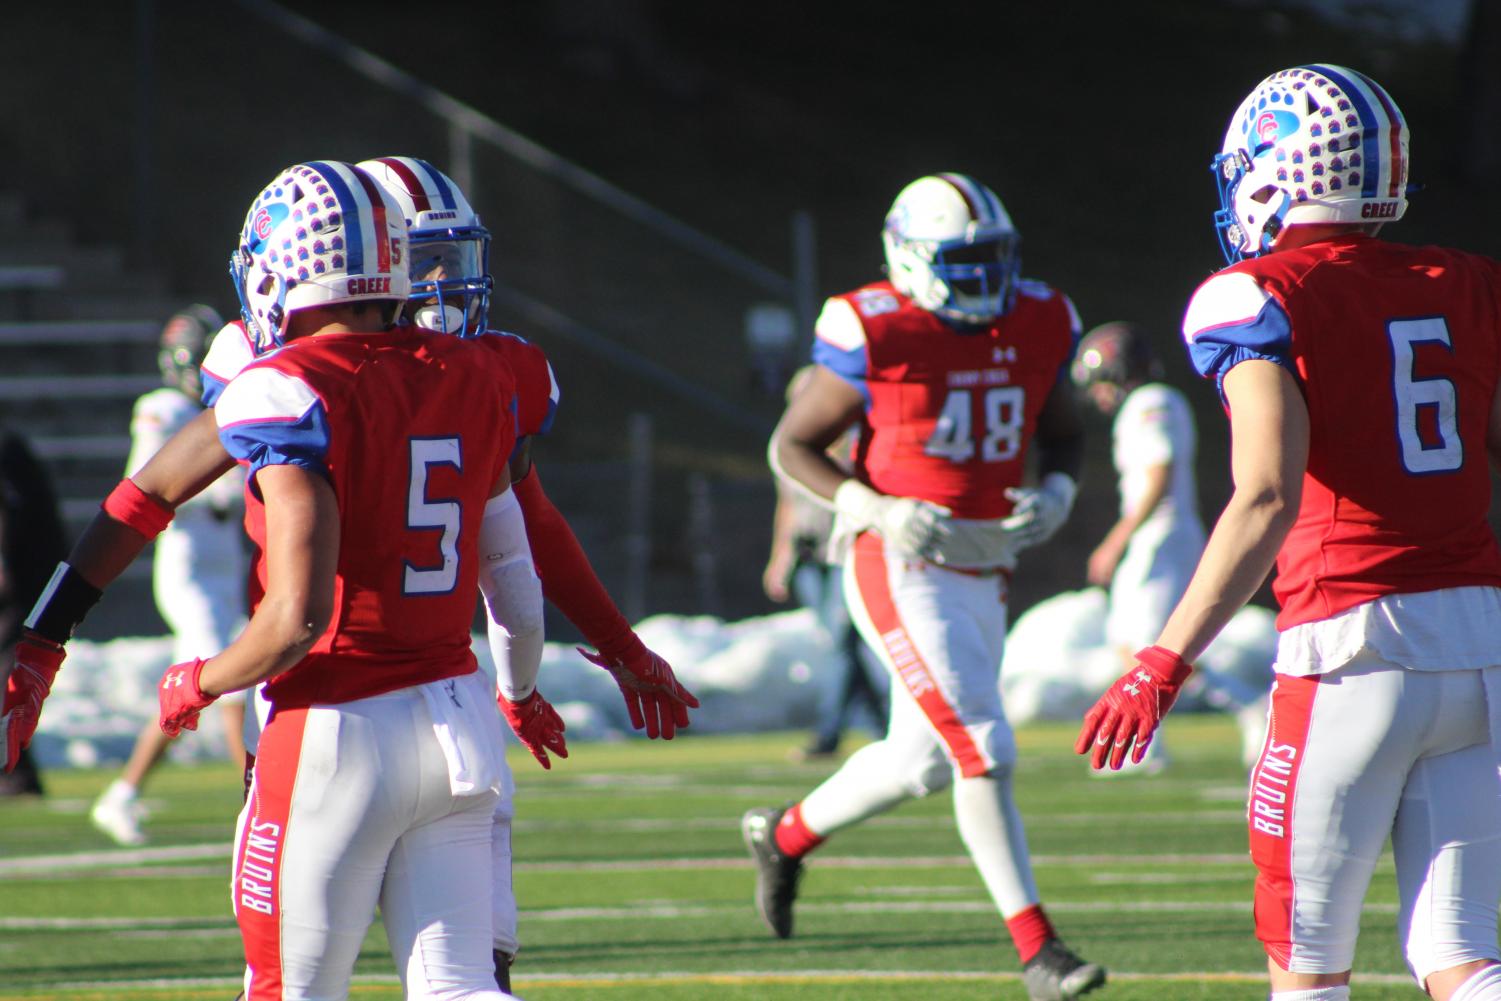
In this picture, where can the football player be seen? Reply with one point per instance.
(379, 503)
(1361, 380)
(198, 570)
(953, 369)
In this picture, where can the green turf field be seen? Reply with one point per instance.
(633, 884)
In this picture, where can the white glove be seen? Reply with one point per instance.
(975, 544)
(910, 526)
(1040, 511)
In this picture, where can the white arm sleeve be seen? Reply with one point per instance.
(513, 597)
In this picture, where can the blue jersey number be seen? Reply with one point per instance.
(424, 513)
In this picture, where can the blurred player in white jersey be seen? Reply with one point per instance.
(953, 370)
(198, 573)
(1362, 379)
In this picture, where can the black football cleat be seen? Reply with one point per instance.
(777, 873)
(1056, 974)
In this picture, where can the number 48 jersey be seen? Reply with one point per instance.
(411, 429)
(1397, 351)
(949, 413)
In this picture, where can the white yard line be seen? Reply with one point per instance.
(811, 976)
(673, 912)
(120, 858)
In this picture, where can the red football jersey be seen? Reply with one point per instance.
(1398, 352)
(949, 412)
(412, 429)
(535, 386)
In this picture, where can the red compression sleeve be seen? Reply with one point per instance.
(132, 506)
(568, 580)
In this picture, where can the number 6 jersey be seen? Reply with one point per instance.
(948, 412)
(411, 429)
(1397, 351)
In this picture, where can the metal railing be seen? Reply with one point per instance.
(467, 123)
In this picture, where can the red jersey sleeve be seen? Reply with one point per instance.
(536, 386)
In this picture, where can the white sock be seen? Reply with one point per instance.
(1340, 993)
(1485, 985)
(119, 791)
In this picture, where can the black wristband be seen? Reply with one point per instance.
(65, 600)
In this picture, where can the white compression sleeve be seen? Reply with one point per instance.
(513, 597)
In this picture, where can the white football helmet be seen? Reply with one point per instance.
(1311, 144)
(322, 233)
(450, 247)
(951, 248)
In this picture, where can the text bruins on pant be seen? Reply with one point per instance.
(1269, 794)
(258, 866)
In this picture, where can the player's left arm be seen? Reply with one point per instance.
(302, 556)
(655, 700)
(1493, 431)
(1059, 440)
(1268, 456)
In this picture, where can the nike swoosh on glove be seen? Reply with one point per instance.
(537, 725)
(910, 526)
(1128, 713)
(36, 665)
(180, 698)
(653, 695)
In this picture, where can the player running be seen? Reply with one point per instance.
(952, 369)
(1361, 379)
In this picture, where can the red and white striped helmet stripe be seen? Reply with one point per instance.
(984, 206)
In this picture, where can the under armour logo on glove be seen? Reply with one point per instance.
(180, 699)
(537, 725)
(1127, 715)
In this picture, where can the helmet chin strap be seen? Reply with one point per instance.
(442, 318)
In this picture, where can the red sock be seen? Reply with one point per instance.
(794, 837)
(1030, 929)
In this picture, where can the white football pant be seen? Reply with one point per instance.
(940, 634)
(1369, 750)
(356, 804)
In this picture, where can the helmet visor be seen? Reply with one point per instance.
(445, 259)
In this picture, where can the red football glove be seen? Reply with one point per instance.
(653, 696)
(537, 724)
(180, 697)
(1127, 714)
(37, 661)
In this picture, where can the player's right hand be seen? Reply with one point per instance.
(537, 725)
(36, 665)
(653, 695)
(911, 527)
(1126, 716)
(180, 699)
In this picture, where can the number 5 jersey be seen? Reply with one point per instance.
(411, 429)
